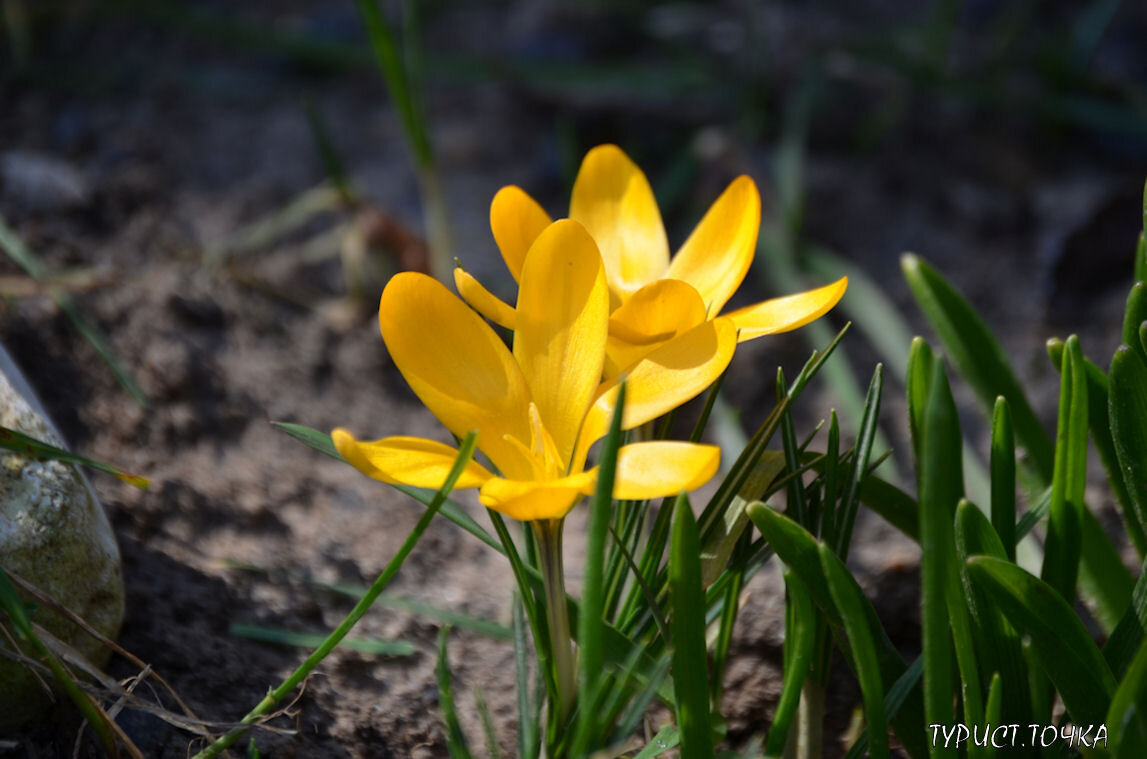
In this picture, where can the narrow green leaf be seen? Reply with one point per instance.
(800, 636)
(372, 646)
(11, 243)
(1125, 717)
(978, 355)
(940, 484)
(485, 627)
(799, 551)
(906, 685)
(1131, 631)
(993, 711)
(1103, 578)
(1127, 408)
(590, 623)
(322, 443)
(851, 603)
(1063, 545)
(667, 738)
(832, 475)
(390, 64)
(1133, 316)
(1099, 422)
(865, 438)
(455, 738)
(798, 505)
(917, 381)
(529, 717)
(25, 445)
(1033, 516)
(1003, 468)
(999, 647)
(686, 598)
(1069, 656)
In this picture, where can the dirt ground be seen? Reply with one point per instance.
(155, 137)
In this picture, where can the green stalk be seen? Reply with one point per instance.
(549, 532)
(272, 699)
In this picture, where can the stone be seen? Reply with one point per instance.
(55, 535)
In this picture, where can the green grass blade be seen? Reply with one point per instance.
(25, 445)
(590, 623)
(800, 637)
(940, 484)
(865, 439)
(831, 472)
(687, 626)
(276, 696)
(1063, 545)
(993, 711)
(1003, 473)
(1099, 422)
(998, 646)
(917, 381)
(977, 355)
(455, 738)
(728, 619)
(11, 604)
(796, 495)
(1062, 645)
(372, 646)
(1033, 516)
(897, 695)
(1133, 316)
(529, 718)
(322, 443)
(798, 549)
(390, 64)
(851, 603)
(1127, 715)
(668, 737)
(455, 619)
(492, 749)
(1131, 631)
(11, 243)
(1127, 409)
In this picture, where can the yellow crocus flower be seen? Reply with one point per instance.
(653, 299)
(540, 406)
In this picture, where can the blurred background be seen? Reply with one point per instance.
(202, 201)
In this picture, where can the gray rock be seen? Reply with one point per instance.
(55, 535)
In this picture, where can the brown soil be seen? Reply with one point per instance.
(179, 138)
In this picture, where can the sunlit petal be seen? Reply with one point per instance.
(407, 461)
(657, 312)
(528, 500)
(516, 220)
(788, 312)
(718, 253)
(612, 198)
(670, 376)
(563, 314)
(457, 366)
(483, 301)
(656, 469)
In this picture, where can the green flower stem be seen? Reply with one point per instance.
(275, 697)
(549, 534)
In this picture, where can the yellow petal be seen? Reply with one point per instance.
(562, 315)
(483, 301)
(516, 220)
(530, 500)
(788, 312)
(457, 366)
(656, 469)
(668, 377)
(407, 461)
(718, 253)
(657, 312)
(612, 198)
